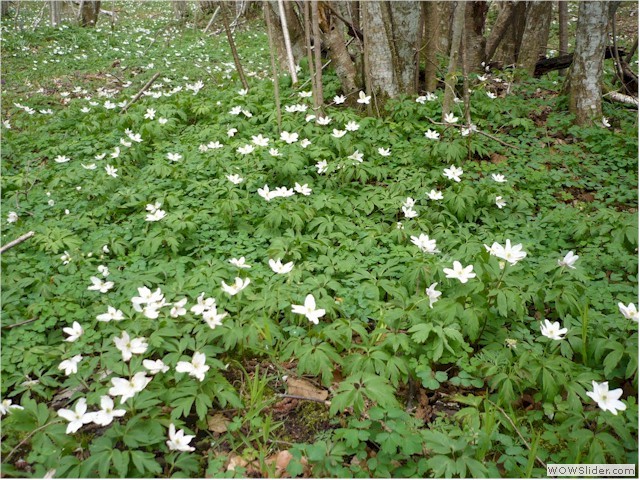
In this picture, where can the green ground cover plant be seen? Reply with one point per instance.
(352, 296)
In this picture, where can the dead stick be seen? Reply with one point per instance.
(476, 131)
(139, 94)
(29, 435)
(24, 322)
(544, 465)
(15, 242)
(213, 17)
(299, 397)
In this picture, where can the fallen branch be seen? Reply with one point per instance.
(544, 465)
(474, 131)
(139, 94)
(300, 397)
(15, 242)
(561, 62)
(621, 97)
(24, 322)
(213, 17)
(29, 435)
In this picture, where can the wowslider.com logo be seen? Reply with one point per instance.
(591, 470)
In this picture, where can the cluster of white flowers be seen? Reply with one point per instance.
(155, 213)
(407, 208)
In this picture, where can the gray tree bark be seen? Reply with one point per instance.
(499, 29)
(390, 35)
(508, 49)
(445, 12)
(179, 9)
(89, 13)
(334, 34)
(535, 34)
(585, 74)
(563, 34)
(54, 11)
(456, 42)
(432, 45)
(296, 34)
(475, 16)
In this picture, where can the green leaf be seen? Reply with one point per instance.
(145, 463)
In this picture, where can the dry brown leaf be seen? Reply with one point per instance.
(236, 461)
(497, 158)
(218, 423)
(282, 461)
(302, 388)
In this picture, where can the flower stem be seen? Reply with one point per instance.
(491, 299)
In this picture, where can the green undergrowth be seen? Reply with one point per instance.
(465, 385)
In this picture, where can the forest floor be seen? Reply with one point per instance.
(344, 296)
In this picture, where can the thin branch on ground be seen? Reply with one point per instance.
(24, 322)
(25, 439)
(15, 242)
(506, 415)
(300, 397)
(474, 131)
(142, 90)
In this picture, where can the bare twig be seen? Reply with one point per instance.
(24, 322)
(287, 43)
(274, 71)
(475, 131)
(300, 397)
(632, 52)
(544, 465)
(25, 439)
(15, 242)
(234, 51)
(213, 17)
(142, 90)
(318, 96)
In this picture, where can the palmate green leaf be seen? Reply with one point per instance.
(145, 463)
(421, 332)
(612, 360)
(379, 390)
(347, 396)
(139, 432)
(318, 360)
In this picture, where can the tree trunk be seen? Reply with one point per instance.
(318, 96)
(296, 34)
(207, 6)
(419, 47)
(390, 34)
(179, 9)
(535, 35)
(563, 34)
(445, 9)
(431, 45)
(4, 9)
(475, 15)
(508, 49)
(405, 18)
(457, 30)
(232, 46)
(499, 29)
(378, 62)
(274, 71)
(54, 10)
(89, 13)
(344, 66)
(585, 74)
